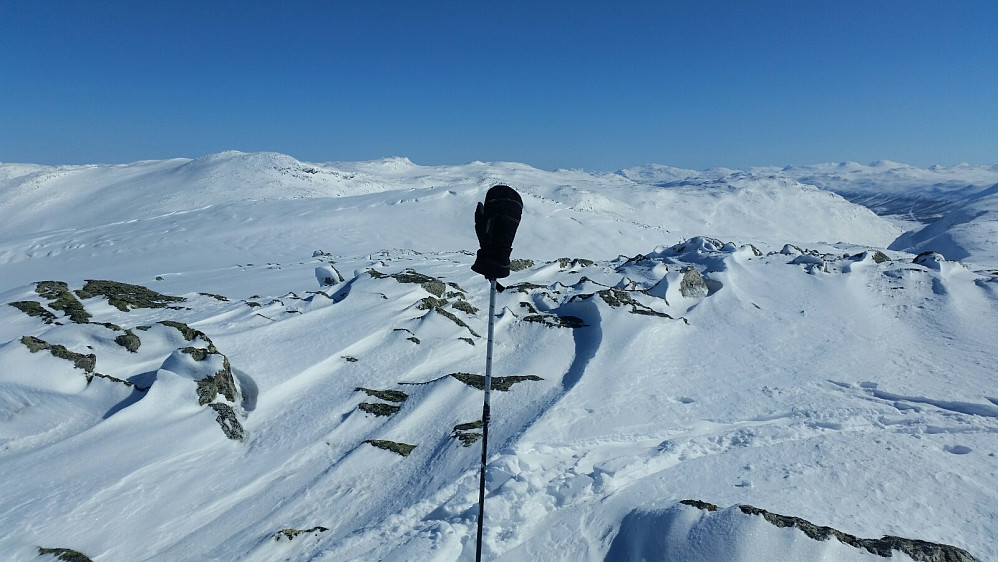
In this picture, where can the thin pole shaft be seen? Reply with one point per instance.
(485, 419)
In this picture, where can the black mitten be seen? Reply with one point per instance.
(495, 224)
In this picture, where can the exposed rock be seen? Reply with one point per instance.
(498, 383)
(222, 382)
(86, 362)
(692, 286)
(700, 505)
(388, 395)
(61, 299)
(199, 353)
(378, 408)
(577, 262)
(922, 551)
(129, 341)
(619, 297)
(34, 308)
(931, 260)
(64, 554)
(228, 421)
(291, 534)
(214, 296)
(520, 264)
(468, 340)
(188, 332)
(429, 303)
(403, 449)
(124, 296)
(555, 321)
(465, 306)
(328, 275)
(525, 287)
(465, 432)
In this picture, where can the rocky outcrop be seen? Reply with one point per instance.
(86, 362)
(292, 534)
(124, 296)
(498, 383)
(59, 297)
(64, 554)
(403, 449)
(922, 551)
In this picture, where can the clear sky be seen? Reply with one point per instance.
(574, 84)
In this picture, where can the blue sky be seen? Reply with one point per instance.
(594, 85)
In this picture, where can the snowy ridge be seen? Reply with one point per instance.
(313, 395)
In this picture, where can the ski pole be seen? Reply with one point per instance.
(485, 419)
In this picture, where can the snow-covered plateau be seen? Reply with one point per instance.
(248, 357)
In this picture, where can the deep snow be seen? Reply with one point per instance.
(807, 376)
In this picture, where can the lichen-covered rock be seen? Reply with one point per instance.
(387, 395)
(465, 306)
(467, 433)
(619, 297)
(222, 382)
(228, 421)
(922, 551)
(403, 449)
(59, 297)
(129, 341)
(86, 362)
(378, 408)
(188, 332)
(498, 383)
(214, 296)
(520, 264)
(35, 309)
(124, 296)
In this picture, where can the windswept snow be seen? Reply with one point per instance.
(732, 337)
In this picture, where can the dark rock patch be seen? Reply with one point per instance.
(129, 341)
(35, 309)
(466, 434)
(64, 554)
(188, 332)
(378, 408)
(520, 264)
(619, 297)
(403, 449)
(429, 303)
(555, 321)
(59, 297)
(214, 296)
(498, 383)
(922, 551)
(228, 421)
(387, 395)
(221, 382)
(86, 362)
(465, 306)
(291, 534)
(124, 296)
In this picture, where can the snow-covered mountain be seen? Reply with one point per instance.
(247, 357)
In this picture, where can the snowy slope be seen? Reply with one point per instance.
(947, 209)
(780, 362)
